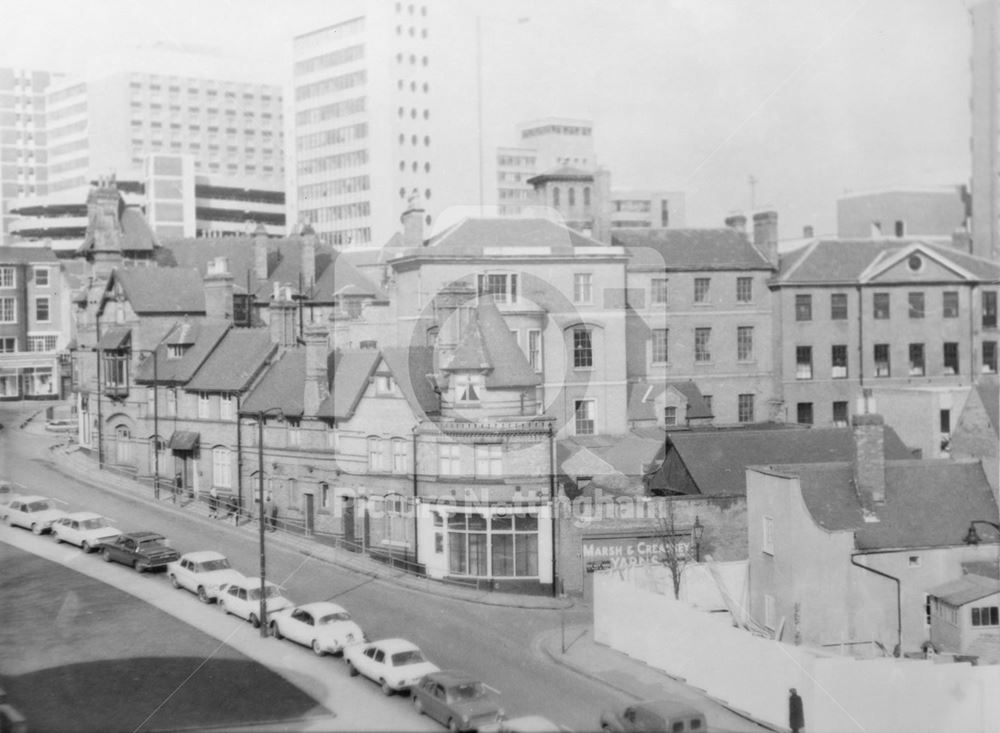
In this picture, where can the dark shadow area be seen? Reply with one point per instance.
(156, 694)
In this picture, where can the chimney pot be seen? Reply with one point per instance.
(765, 235)
(737, 222)
(869, 459)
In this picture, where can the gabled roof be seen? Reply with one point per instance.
(137, 235)
(642, 400)
(690, 249)
(351, 372)
(848, 260)
(951, 492)
(966, 589)
(489, 345)
(717, 459)
(335, 275)
(412, 369)
(281, 387)
(26, 255)
(162, 289)
(473, 237)
(237, 358)
(201, 336)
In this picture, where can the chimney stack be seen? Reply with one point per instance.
(765, 235)
(281, 320)
(104, 206)
(309, 242)
(260, 253)
(413, 221)
(317, 385)
(869, 459)
(737, 222)
(219, 290)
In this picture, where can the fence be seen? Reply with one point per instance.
(753, 675)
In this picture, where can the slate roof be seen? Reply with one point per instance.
(844, 260)
(26, 255)
(628, 454)
(202, 335)
(989, 393)
(335, 274)
(951, 492)
(640, 409)
(115, 337)
(489, 345)
(410, 369)
(691, 249)
(717, 458)
(280, 387)
(237, 358)
(351, 372)
(470, 237)
(966, 589)
(163, 289)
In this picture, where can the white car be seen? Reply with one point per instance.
(32, 512)
(396, 664)
(203, 573)
(242, 599)
(86, 530)
(324, 626)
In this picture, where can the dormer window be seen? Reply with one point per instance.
(467, 389)
(176, 351)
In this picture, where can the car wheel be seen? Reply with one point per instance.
(106, 556)
(386, 690)
(276, 632)
(85, 546)
(351, 669)
(254, 621)
(317, 649)
(36, 528)
(202, 594)
(141, 566)
(418, 705)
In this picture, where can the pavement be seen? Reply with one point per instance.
(571, 646)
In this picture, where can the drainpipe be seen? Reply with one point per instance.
(239, 461)
(416, 502)
(552, 499)
(899, 603)
(861, 341)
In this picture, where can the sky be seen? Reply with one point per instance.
(812, 98)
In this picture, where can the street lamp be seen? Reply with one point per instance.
(260, 415)
(972, 537)
(156, 426)
(696, 532)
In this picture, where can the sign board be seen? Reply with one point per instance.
(612, 553)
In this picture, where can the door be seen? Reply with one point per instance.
(350, 540)
(310, 514)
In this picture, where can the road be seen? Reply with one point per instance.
(497, 644)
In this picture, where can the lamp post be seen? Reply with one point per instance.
(156, 426)
(972, 537)
(260, 415)
(696, 532)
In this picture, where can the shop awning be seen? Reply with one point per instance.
(183, 440)
(114, 338)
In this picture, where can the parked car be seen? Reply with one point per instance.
(653, 715)
(396, 664)
(324, 626)
(86, 530)
(523, 724)
(242, 598)
(457, 701)
(140, 550)
(31, 512)
(203, 573)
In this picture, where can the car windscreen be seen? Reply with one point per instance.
(332, 618)
(93, 523)
(37, 506)
(151, 544)
(467, 691)
(210, 565)
(401, 659)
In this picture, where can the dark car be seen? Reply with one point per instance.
(457, 700)
(661, 716)
(140, 550)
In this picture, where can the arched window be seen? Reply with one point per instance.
(571, 195)
(586, 195)
(555, 196)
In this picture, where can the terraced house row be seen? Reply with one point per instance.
(436, 400)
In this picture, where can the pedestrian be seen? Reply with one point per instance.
(178, 483)
(213, 503)
(266, 514)
(231, 509)
(796, 717)
(274, 516)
